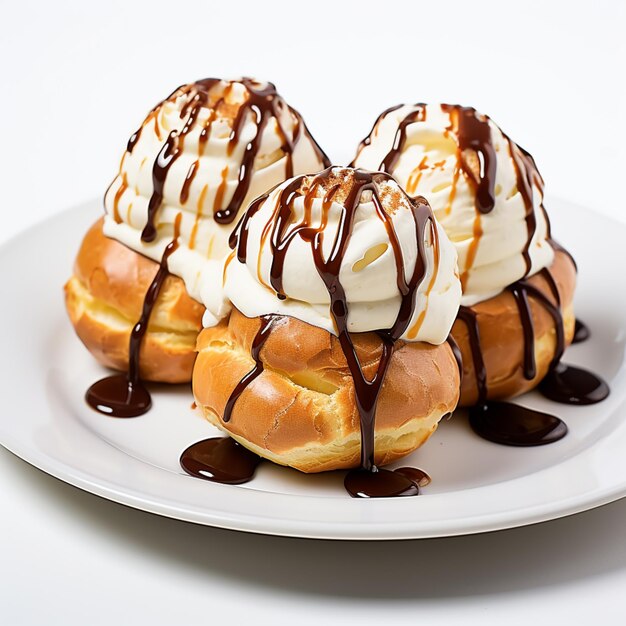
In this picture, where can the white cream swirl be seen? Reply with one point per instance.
(442, 153)
(210, 145)
(377, 236)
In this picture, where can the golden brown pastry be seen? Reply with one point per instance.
(301, 410)
(104, 299)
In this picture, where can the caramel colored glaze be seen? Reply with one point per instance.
(368, 480)
(116, 200)
(501, 340)
(191, 174)
(416, 176)
(199, 206)
(472, 250)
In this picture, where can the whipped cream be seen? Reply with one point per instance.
(359, 227)
(483, 188)
(204, 152)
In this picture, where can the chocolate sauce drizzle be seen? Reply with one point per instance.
(124, 395)
(262, 104)
(474, 134)
(258, 342)
(368, 480)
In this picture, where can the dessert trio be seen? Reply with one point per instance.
(329, 317)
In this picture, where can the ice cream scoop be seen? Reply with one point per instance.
(484, 189)
(204, 152)
(353, 237)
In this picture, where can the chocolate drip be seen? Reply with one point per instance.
(368, 139)
(167, 155)
(125, 395)
(171, 150)
(474, 134)
(132, 142)
(514, 425)
(399, 141)
(554, 288)
(581, 332)
(220, 460)
(283, 232)
(525, 287)
(257, 343)
(458, 356)
(559, 248)
(527, 177)
(240, 233)
(468, 316)
(521, 297)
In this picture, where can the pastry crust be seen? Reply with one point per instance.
(502, 336)
(104, 299)
(301, 410)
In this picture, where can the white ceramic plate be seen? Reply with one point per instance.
(477, 485)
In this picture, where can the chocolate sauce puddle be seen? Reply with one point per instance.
(581, 332)
(515, 425)
(379, 483)
(221, 460)
(124, 395)
(572, 385)
(119, 396)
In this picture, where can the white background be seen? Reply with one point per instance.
(77, 79)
